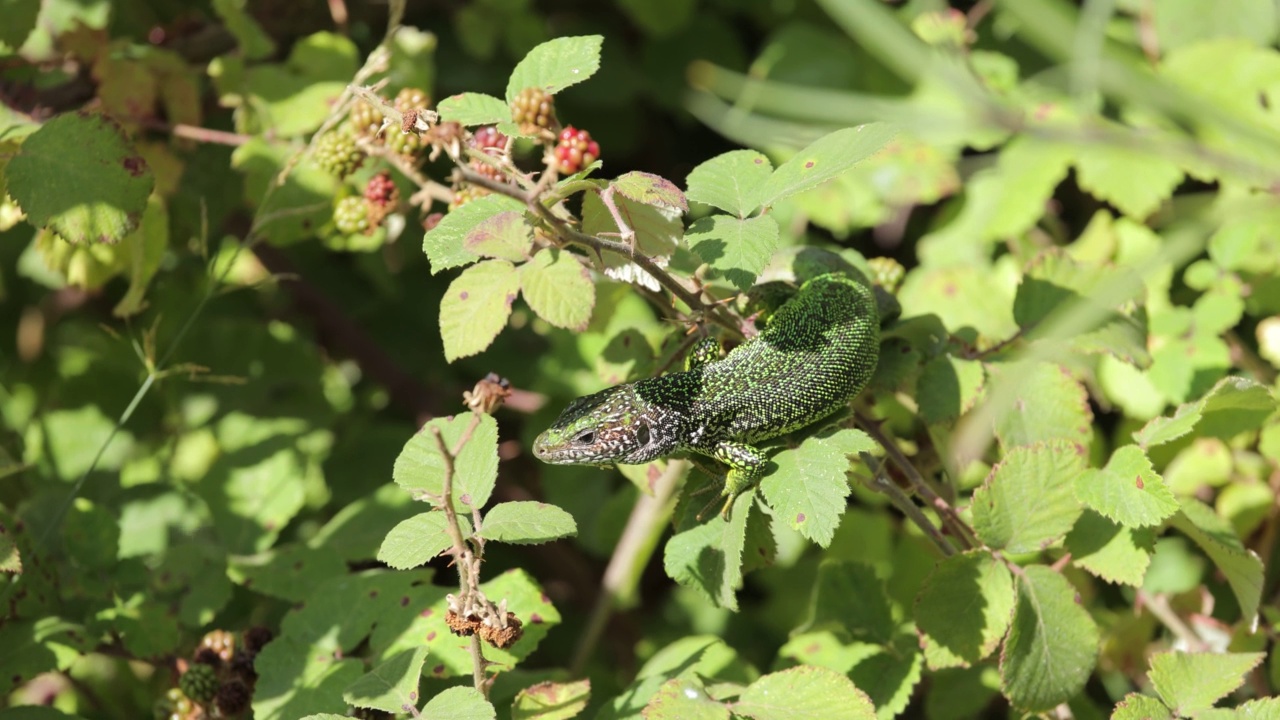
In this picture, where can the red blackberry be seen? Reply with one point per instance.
(381, 196)
(575, 150)
(492, 143)
(534, 110)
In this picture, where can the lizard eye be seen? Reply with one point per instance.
(642, 434)
(585, 438)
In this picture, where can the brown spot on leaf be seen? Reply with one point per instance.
(431, 636)
(135, 165)
(511, 298)
(404, 601)
(1139, 483)
(809, 165)
(799, 518)
(426, 613)
(535, 618)
(437, 670)
(463, 295)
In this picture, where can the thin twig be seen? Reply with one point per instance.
(1159, 606)
(950, 518)
(881, 482)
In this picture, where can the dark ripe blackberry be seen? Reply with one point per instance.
(351, 216)
(233, 698)
(575, 150)
(208, 656)
(411, 99)
(337, 153)
(242, 667)
(256, 638)
(465, 194)
(200, 683)
(534, 110)
(365, 120)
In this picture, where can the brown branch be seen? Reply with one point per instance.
(881, 483)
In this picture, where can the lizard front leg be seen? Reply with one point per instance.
(746, 466)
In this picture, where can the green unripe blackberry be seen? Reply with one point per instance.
(411, 99)
(337, 154)
(404, 144)
(173, 706)
(887, 272)
(534, 110)
(351, 216)
(365, 120)
(200, 683)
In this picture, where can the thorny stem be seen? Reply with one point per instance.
(625, 233)
(949, 516)
(466, 561)
(639, 538)
(570, 235)
(881, 482)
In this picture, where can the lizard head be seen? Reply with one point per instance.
(601, 429)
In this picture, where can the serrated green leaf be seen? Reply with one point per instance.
(1134, 181)
(79, 176)
(558, 287)
(848, 597)
(731, 181)
(290, 572)
(650, 189)
(1180, 23)
(1234, 405)
(1110, 551)
(527, 523)
(1141, 707)
(802, 693)
(1049, 404)
(737, 249)
(476, 307)
(472, 109)
(91, 534)
(681, 698)
(420, 468)
(47, 644)
(417, 540)
(1241, 566)
(886, 673)
(1052, 645)
(556, 64)
(1191, 682)
(1028, 501)
(962, 693)
(965, 605)
(824, 159)
(808, 485)
(392, 686)
(505, 236)
(948, 386)
(708, 557)
(445, 244)
(1128, 490)
(294, 680)
(551, 701)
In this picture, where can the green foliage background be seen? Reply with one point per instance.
(216, 404)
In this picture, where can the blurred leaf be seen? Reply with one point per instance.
(527, 523)
(1233, 406)
(948, 387)
(1192, 682)
(254, 43)
(1242, 567)
(558, 288)
(1141, 707)
(556, 64)
(1134, 181)
(288, 212)
(737, 249)
(681, 698)
(291, 572)
(458, 703)
(707, 557)
(1049, 404)
(849, 598)
(551, 701)
(804, 692)
(79, 176)
(965, 605)
(476, 307)
(1053, 643)
(294, 680)
(420, 468)
(392, 686)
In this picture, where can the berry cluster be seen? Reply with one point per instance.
(220, 676)
(365, 120)
(465, 194)
(351, 216)
(380, 198)
(575, 150)
(492, 143)
(534, 110)
(407, 143)
(337, 153)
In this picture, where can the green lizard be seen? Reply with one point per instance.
(817, 351)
